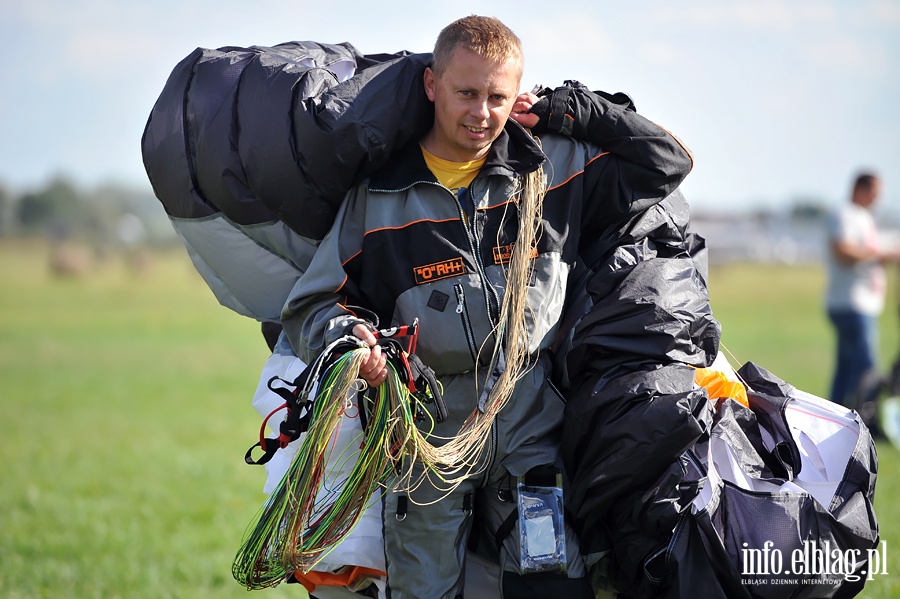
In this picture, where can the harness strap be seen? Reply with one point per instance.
(419, 379)
(291, 427)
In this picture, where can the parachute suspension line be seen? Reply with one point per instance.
(311, 511)
(292, 520)
(514, 312)
(734, 360)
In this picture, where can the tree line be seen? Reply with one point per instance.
(106, 215)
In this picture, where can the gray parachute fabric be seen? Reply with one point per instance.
(251, 150)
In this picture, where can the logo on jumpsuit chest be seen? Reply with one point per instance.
(503, 253)
(439, 270)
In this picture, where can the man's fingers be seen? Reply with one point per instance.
(365, 334)
(527, 97)
(374, 367)
(370, 364)
(377, 358)
(521, 110)
(378, 378)
(526, 120)
(523, 105)
(376, 375)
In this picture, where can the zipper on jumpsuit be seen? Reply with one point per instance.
(463, 312)
(491, 300)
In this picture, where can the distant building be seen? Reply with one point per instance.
(794, 237)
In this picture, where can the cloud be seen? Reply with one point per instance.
(885, 11)
(660, 54)
(749, 14)
(100, 53)
(848, 54)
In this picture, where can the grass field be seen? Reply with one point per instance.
(126, 412)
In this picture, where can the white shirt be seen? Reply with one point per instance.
(858, 286)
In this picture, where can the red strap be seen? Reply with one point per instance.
(407, 330)
(262, 429)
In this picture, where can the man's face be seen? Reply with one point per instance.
(866, 196)
(472, 100)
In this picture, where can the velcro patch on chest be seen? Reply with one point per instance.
(439, 270)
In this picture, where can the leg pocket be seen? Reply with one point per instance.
(425, 542)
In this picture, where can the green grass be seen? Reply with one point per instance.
(773, 315)
(126, 411)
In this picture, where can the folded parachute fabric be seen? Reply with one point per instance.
(251, 150)
(667, 485)
(632, 341)
(788, 473)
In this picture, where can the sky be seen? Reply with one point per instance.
(779, 101)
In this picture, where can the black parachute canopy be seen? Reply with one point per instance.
(279, 133)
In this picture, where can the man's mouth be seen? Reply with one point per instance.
(475, 129)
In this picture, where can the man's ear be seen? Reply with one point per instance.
(430, 81)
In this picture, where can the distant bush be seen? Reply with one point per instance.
(109, 215)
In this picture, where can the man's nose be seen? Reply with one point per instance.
(481, 110)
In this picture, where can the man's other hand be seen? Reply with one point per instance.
(521, 110)
(374, 368)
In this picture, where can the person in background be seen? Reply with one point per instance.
(856, 286)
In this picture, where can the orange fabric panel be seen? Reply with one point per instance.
(345, 577)
(718, 386)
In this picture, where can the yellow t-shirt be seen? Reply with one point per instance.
(452, 175)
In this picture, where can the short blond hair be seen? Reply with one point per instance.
(485, 36)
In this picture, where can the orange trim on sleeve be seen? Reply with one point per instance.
(346, 309)
(683, 147)
(566, 115)
(600, 155)
(341, 286)
(345, 262)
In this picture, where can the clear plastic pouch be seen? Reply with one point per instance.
(542, 535)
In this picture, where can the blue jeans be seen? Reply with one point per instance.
(857, 338)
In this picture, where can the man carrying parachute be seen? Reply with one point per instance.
(525, 260)
(463, 231)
